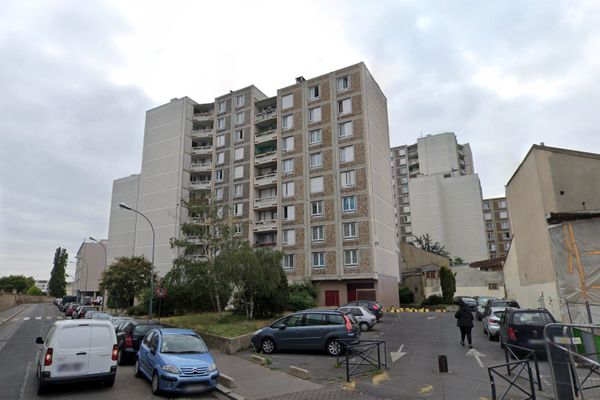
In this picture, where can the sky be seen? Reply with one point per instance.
(77, 77)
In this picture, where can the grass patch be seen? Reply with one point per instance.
(226, 324)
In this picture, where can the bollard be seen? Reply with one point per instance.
(442, 363)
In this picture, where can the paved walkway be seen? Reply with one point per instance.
(9, 312)
(332, 393)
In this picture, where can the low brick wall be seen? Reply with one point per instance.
(227, 345)
(7, 301)
(25, 299)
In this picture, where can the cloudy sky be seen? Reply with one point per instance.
(77, 77)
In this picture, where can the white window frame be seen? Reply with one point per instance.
(221, 124)
(503, 214)
(237, 229)
(345, 106)
(221, 107)
(348, 179)
(290, 211)
(347, 128)
(239, 135)
(220, 140)
(353, 201)
(352, 228)
(287, 189)
(240, 118)
(320, 258)
(238, 209)
(289, 99)
(320, 233)
(315, 133)
(287, 122)
(343, 83)
(240, 100)
(287, 166)
(318, 205)
(315, 157)
(219, 193)
(217, 173)
(311, 92)
(220, 157)
(487, 216)
(314, 115)
(239, 153)
(239, 193)
(288, 261)
(287, 144)
(317, 184)
(347, 153)
(352, 260)
(289, 237)
(236, 174)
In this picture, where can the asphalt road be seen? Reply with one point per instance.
(18, 380)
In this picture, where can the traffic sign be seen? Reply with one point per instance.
(161, 291)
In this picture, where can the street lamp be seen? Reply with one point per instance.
(105, 262)
(125, 206)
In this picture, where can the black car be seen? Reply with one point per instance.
(498, 303)
(469, 301)
(129, 336)
(525, 328)
(371, 305)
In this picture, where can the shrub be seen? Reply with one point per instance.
(433, 300)
(35, 291)
(140, 309)
(301, 301)
(406, 296)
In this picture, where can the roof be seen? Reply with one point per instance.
(84, 322)
(556, 218)
(492, 262)
(176, 331)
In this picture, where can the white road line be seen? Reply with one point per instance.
(22, 388)
(396, 355)
(59, 317)
(48, 317)
(38, 318)
(26, 318)
(476, 354)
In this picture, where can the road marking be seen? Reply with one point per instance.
(398, 354)
(476, 354)
(59, 317)
(412, 359)
(38, 318)
(22, 388)
(48, 317)
(26, 318)
(431, 317)
(426, 389)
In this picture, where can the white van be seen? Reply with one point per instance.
(75, 351)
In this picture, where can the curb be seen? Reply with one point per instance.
(223, 393)
(2, 322)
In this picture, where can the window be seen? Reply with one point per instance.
(403, 161)
(486, 206)
(219, 175)
(314, 114)
(238, 189)
(348, 178)
(238, 209)
(350, 257)
(237, 229)
(408, 229)
(288, 166)
(489, 227)
(318, 259)
(345, 130)
(316, 184)
(348, 203)
(347, 154)
(316, 208)
(404, 180)
(492, 247)
(404, 189)
(288, 261)
(406, 209)
(506, 235)
(402, 152)
(502, 204)
(343, 83)
(403, 170)
(318, 233)
(289, 237)
(313, 92)
(491, 236)
(316, 160)
(220, 140)
(504, 225)
(287, 122)
(220, 158)
(239, 153)
(404, 199)
(221, 123)
(220, 212)
(344, 106)
(239, 134)
(238, 172)
(289, 213)
(487, 216)
(314, 136)
(240, 100)
(221, 107)
(506, 246)
(218, 193)
(430, 274)
(503, 214)
(492, 286)
(349, 230)
(287, 143)
(287, 189)
(406, 219)
(287, 101)
(240, 118)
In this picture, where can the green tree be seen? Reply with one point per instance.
(456, 261)
(57, 284)
(35, 291)
(448, 283)
(125, 279)
(426, 243)
(406, 296)
(20, 283)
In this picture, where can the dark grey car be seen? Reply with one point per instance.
(307, 330)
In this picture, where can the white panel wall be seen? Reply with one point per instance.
(121, 226)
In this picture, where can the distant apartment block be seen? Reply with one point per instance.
(88, 269)
(497, 226)
(304, 172)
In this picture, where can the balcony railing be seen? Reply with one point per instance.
(200, 185)
(262, 180)
(265, 244)
(265, 202)
(201, 167)
(265, 225)
(270, 156)
(265, 136)
(204, 133)
(267, 114)
(203, 115)
(202, 150)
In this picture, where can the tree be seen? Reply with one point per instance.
(125, 279)
(57, 284)
(35, 291)
(448, 283)
(426, 243)
(456, 261)
(20, 283)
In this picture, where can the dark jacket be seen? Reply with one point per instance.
(464, 317)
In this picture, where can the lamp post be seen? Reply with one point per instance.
(105, 262)
(126, 207)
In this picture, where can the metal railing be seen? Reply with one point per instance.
(362, 356)
(522, 366)
(522, 354)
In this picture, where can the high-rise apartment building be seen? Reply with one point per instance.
(497, 226)
(305, 172)
(437, 192)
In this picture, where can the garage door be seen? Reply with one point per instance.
(332, 298)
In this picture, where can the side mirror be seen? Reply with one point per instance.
(39, 340)
(153, 350)
(282, 327)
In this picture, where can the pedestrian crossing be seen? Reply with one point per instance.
(46, 317)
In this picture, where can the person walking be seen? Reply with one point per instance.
(464, 321)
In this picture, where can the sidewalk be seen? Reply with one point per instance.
(5, 315)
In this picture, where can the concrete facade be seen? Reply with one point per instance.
(497, 226)
(121, 225)
(472, 282)
(88, 270)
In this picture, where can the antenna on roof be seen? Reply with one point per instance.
(300, 79)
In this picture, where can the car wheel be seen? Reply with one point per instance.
(490, 337)
(136, 369)
(363, 326)
(110, 382)
(155, 384)
(334, 348)
(120, 357)
(268, 346)
(42, 387)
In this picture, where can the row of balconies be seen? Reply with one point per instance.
(265, 115)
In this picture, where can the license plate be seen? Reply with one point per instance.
(195, 387)
(69, 367)
(536, 341)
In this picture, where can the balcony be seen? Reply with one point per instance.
(265, 136)
(265, 158)
(265, 225)
(265, 115)
(202, 133)
(265, 244)
(265, 202)
(203, 116)
(201, 150)
(265, 180)
(201, 167)
(200, 185)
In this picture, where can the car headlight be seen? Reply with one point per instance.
(212, 367)
(170, 368)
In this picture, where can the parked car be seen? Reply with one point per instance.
(101, 315)
(129, 336)
(525, 328)
(66, 300)
(373, 306)
(481, 303)
(57, 302)
(499, 303)
(176, 360)
(74, 351)
(366, 319)
(469, 301)
(71, 308)
(82, 311)
(307, 330)
(491, 322)
(116, 321)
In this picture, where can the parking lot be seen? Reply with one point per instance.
(419, 338)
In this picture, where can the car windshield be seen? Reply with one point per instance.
(142, 329)
(182, 344)
(532, 318)
(505, 304)
(499, 314)
(483, 301)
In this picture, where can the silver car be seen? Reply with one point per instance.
(366, 320)
(491, 322)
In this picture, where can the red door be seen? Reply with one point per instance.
(332, 298)
(351, 295)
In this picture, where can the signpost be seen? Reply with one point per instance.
(160, 292)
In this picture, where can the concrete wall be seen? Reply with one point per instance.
(438, 153)
(416, 257)
(121, 225)
(7, 300)
(89, 267)
(472, 282)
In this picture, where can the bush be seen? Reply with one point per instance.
(301, 301)
(433, 300)
(136, 311)
(35, 291)
(406, 296)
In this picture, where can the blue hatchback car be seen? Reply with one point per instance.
(177, 361)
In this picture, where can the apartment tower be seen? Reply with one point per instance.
(304, 172)
(497, 226)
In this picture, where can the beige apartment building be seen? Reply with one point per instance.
(305, 172)
(497, 226)
(90, 263)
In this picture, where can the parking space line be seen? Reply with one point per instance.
(38, 318)
(48, 317)
(26, 318)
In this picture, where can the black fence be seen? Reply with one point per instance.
(522, 354)
(362, 356)
(516, 370)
